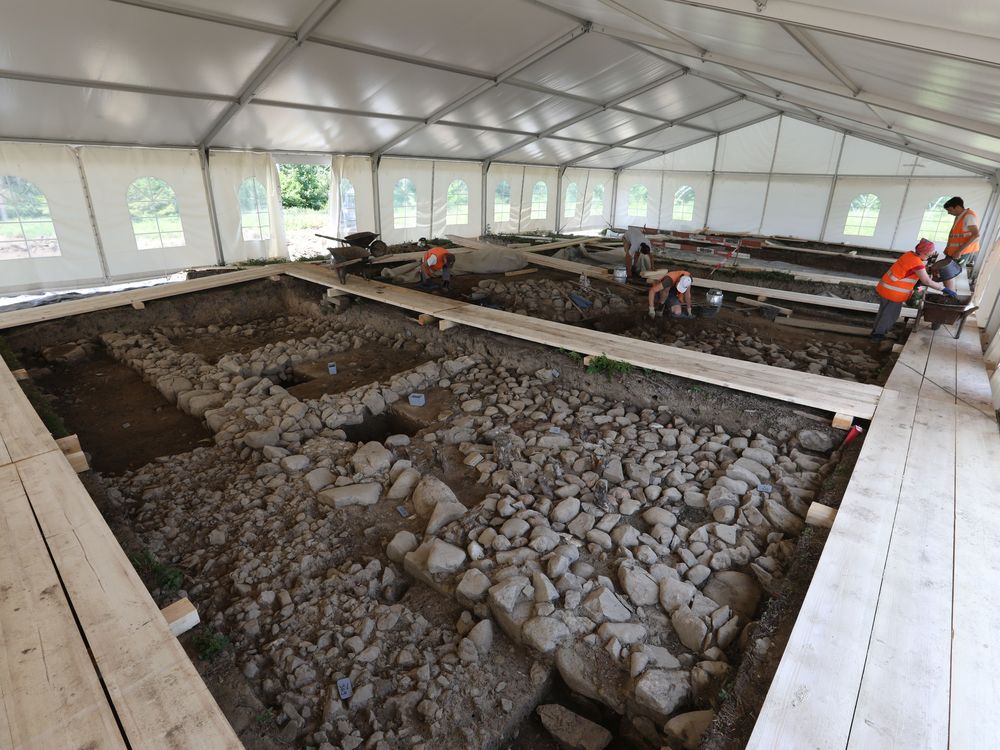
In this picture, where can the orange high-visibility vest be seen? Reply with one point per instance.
(674, 277)
(959, 235)
(435, 252)
(897, 284)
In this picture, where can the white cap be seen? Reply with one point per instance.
(684, 283)
(432, 261)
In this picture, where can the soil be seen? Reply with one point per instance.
(212, 347)
(122, 422)
(355, 367)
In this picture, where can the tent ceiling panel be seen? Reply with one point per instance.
(72, 114)
(616, 157)
(598, 67)
(609, 126)
(271, 128)
(287, 14)
(454, 143)
(806, 97)
(331, 77)
(108, 42)
(726, 118)
(931, 168)
(670, 138)
(514, 28)
(679, 97)
(599, 12)
(806, 149)
(518, 109)
(697, 157)
(551, 151)
(945, 135)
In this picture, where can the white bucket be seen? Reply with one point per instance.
(621, 274)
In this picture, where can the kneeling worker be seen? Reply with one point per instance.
(673, 288)
(436, 260)
(898, 283)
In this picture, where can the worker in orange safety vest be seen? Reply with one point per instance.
(436, 260)
(899, 282)
(963, 239)
(670, 290)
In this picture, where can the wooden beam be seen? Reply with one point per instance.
(759, 303)
(819, 325)
(180, 616)
(21, 374)
(22, 432)
(426, 319)
(522, 272)
(821, 515)
(69, 444)
(138, 305)
(78, 460)
(444, 325)
(842, 421)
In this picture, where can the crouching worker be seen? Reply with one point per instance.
(437, 260)
(671, 290)
(898, 283)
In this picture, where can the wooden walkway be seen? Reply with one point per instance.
(86, 658)
(896, 644)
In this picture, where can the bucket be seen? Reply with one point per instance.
(621, 274)
(417, 399)
(946, 268)
(714, 297)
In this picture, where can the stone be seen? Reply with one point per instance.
(638, 585)
(566, 510)
(544, 590)
(658, 656)
(217, 537)
(578, 667)
(259, 438)
(295, 463)
(719, 496)
(403, 542)
(317, 479)
(781, 518)
(739, 591)
(689, 628)
(761, 456)
(515, 527)
(626, 633)
(482, 635)
(428, 493)
(675, 594)
(370, 459)
(404, 484)
(444, 557)
(472, 588)
(352, 494)
(544, 633)
(814, 440)
(661, 691)
(602, 604)
(688, 728)
(444, 513)
(698, 574)
(580, 525)
(572, 731)
(752, 466)
(613, 471)
(655, 516)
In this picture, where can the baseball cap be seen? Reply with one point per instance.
(684, 284)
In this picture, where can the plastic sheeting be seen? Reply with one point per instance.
(229, 170)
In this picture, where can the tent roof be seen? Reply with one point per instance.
(600, 83)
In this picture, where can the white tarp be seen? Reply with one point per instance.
(458, 198)
(355, 174)
(404, 191)
(243, 234)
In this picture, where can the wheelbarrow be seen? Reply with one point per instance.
(947, 311)
(361, 247)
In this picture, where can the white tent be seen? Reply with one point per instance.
(770, 116)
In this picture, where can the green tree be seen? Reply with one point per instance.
(304, 186)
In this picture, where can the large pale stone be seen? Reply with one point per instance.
(580, 671)
(429, 492)
(781, 518)
(566, 511)
(688, 728)
(689, 628)
(572, 731)
(259, 438)
(371, 458)
(352, 494)
(544, 633)
(602, 605)
(319, 478)
(472, 588)
(675, 593)
(639, 585)
(661, 691)
(403, 485)
(403, 542)
(443, 514)
(739, 591)
(444, 557)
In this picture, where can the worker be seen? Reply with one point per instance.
(898, 283)
(638, 253)
(963, 239)
(436, 260)
(671, 289)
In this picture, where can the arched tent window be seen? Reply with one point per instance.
(597, 201)
(539, 200)
(26, 228)
(683, 204)
(458, 203)
(501, 202)
(156, 219)
(936, 224)
(638, 201)
(255, 218)
(404, 204)
(348, 207)
(569, 211)
(862, 218)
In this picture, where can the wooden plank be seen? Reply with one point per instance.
(444, 325)
(761, 303)
(144, 294)
(69, 444)
(904, 691)
(842, 421)
(50, 694)
(156, 691)
(418, 255)
(78, 461)
(21, 374)
(138, 304)
(22, 431)
(477, 244)
(975, 652)
(522, 272)
(811, 700)
(820, 325)
(821, 515)
(769, 245)
(180, 616)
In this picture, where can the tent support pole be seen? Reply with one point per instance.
(213, 214)
(711, 181)
(376, 198)
(833, 189)
(614, 198)
(105, 269)
(770, 174)
(902, 205)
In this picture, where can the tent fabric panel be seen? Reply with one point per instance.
(390, 173)
(53, 170)
(532, 176)
(71, 114)
(975, 192)
(615, 157)
(670, 138)
(588, 215)
(945, 136)
(796, 205)
(445, 173)
(749, 149)
(330, 77)
(673, 182)
(890, 193)
(698, 157)
(513, 175)
(111, 171)
(228, 170)
(610, 126)
(357, 170)
(679, 97)
(514, 108)
(733, 116)
(627, 212)
(866, 158)
(265, 127)
(549, 151)
(597, 67)
(454, 143)
(416, 29)
(929, 167)
(115, 43)
(288, 14)
(806, 149)
(737, 203)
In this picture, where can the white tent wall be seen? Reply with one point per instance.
(890, 193)
(749, 149)
(357, 170)
(629, 208)
(445, 173)
(675, 182)
(737, 202)
(923, 192)
(586, 216)
(513, 175)
(111, 171)
(412, 224)
(228, 170)
(796, 205)
(549, 176)
(53, 170)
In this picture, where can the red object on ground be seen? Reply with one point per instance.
(851, 434)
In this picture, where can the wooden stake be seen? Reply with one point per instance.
(444, 325)
(821, 515)
(69, 444)
(758, 303)
(181, 616)
(332, 293)
(842, 421)
(817, 325)
(78, 460)
(138, 304)
(21, 374)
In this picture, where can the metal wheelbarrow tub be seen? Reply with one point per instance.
(948, 311)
